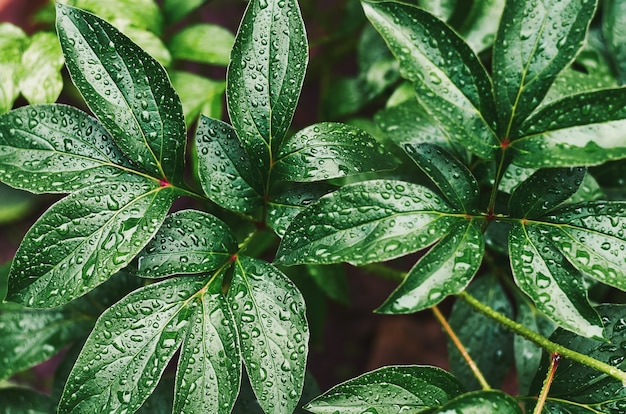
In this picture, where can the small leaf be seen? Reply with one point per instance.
(268, 62)
(174, 10)
(188, 242)
(13, 41)
(390, 390)
(41, 81)
(273, 332)
(23, 400)
(199, 95)
(205, 43)
(446, 269)
(130, 346)
(492, 401)
(367, 222)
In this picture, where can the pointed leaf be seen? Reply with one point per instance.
(446, 269)
(88, 236)
(56, 149)
(492, 401)
(130, 346)
(273, 332)
(330, 150)
(367, 222)
(545, 190)
(584, 129)
(535, 41)
(390, 390)
(41, 80)
(265, 75)
(205, 43)
(450, 82)
(127, 89)
(188, 242)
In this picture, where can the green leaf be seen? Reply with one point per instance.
(25, 401)
(188, 242)
(129, 348)
(367, 222)
(199, 95)
(330, 150)
(56, 149)
(4, 279)
(41, 80)
(451, 176)
(226, 172)
(446, 269)
(16, 205)
(535, 42)
(613, 23)
(205, 43)
(209, 368)
(86, 237)
(146, 40)
(492, 401)
(390, 390)
(449, 80)
(270, 316)
(127, 89)
(488, 343)
(589, 190)
(481, 24)
(174, 10)
(268, 62)
(13, 41)
(584, 129)
(142, 14)
(545, 190)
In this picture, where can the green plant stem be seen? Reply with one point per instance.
(542, 341)
(547, 383)
(457, 342)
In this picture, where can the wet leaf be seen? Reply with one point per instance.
(226, 171)
(205, 43)
(268, 62)
(446, 269)
(449, 80)
(13, 41)
(130, 346)
(367, 222)
(613, 23)
(188, 242)
(481, 402)
(161, 400)
(589, 190)
(535, 42)
(127, 90)
(146, 40)
(25, 401)
(270, 317)
(199, 95)
(41, 80)
(85, 238)
(390, 390)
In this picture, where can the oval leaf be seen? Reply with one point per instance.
(206, 43)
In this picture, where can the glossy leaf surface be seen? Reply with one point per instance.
(390, 390)
(270, 316)
(205, 43)
(41, 80)
(449, 80)
(481, 402)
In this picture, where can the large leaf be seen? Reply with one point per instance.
(56, 148)
(451, 83)
(273, 332)
(265, 75)
(367, 222)
(86, 237)
(205, 43)
(390, 390)
(127, 89)
(13, 40)
(130, 346)
(535, 41)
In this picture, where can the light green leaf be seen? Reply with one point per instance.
(130, 346)
(199, 95)
(446, 269)
(13, 41)
(188, 242)
(127, 89)
(367, 222)
(330, 150)
(273, 333)
(205, 43)
(492, 401)
(41, 80)
(449, 80)
(266, 72)
(390, 390)
(535, 41)
(142, 14)
(174, 10)
(25, 401)
(87, 237)
(146, 40)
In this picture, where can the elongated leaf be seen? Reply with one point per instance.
(584, 129)
(199, 95)
(12, 42)
(130, 346)
(492, 401)
(128, 91)
(535, 41)
(273, 332)
(450, 81)
(553, 284)
(367, 222)
(23, 400)
(330, 150)
(265, 75)
(444, 270)
(390, 390)
(41, 80)
(227, 174)
(613, 23)
(206, 43)
(452, 178)
(545, 190)
(188, 242)
(56, 149)
(85, 238)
